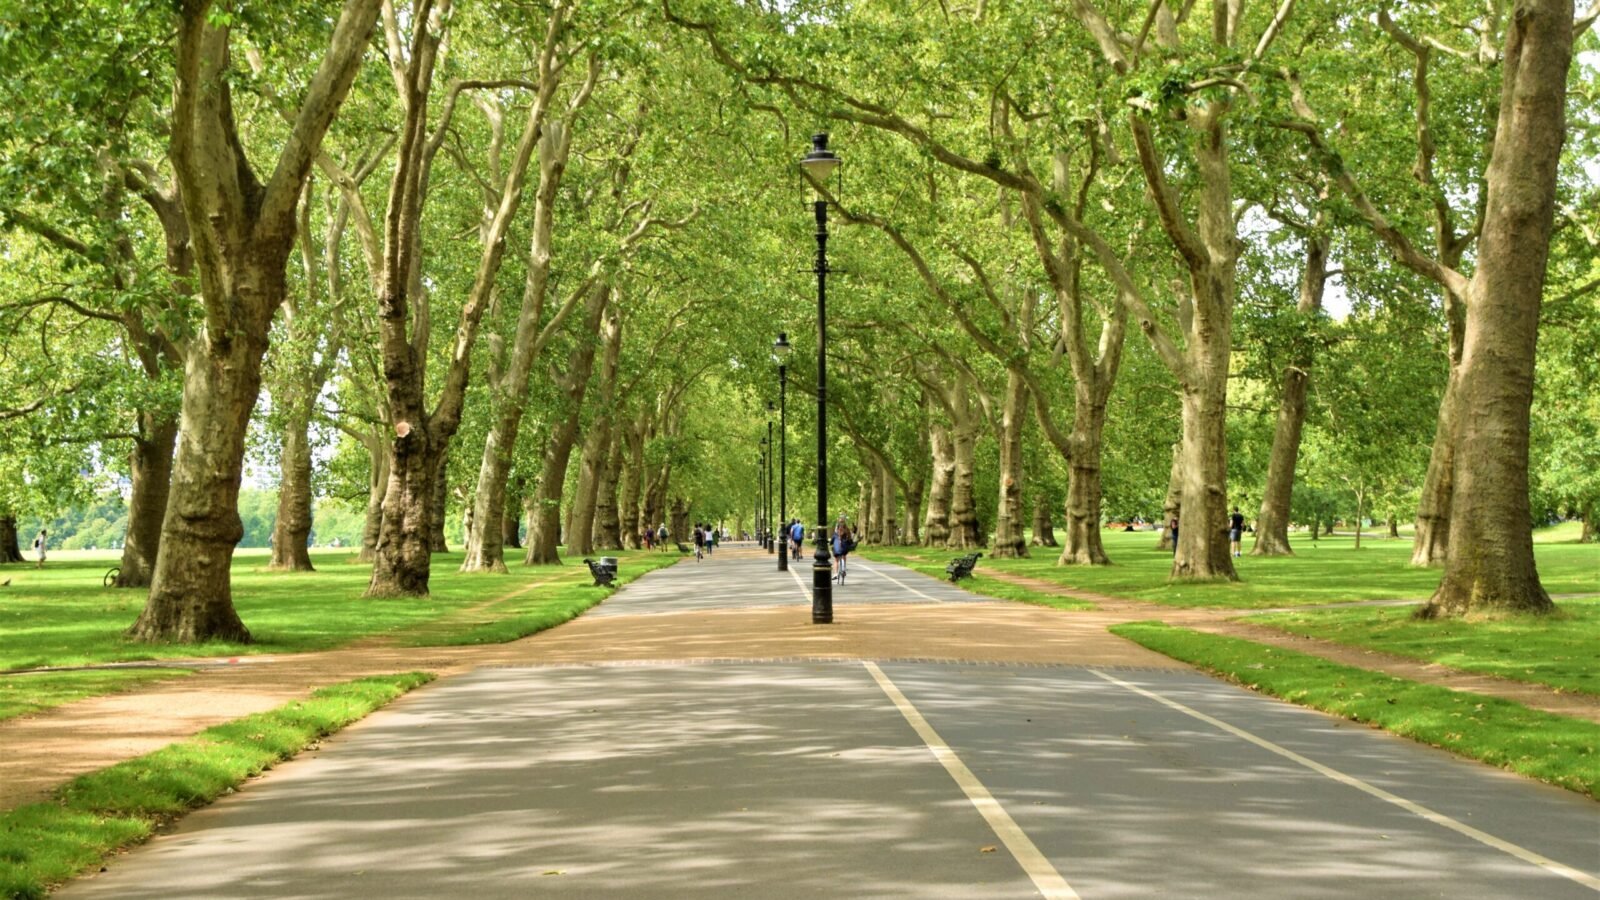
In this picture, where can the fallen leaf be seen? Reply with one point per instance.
(988, 849)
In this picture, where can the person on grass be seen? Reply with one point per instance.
(38, 547)
(1235, 529)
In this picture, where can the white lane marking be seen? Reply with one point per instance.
(804, 588)
(1437, 818)
(1044, 875)
(900, 583)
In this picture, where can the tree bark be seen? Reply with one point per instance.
(377, 486)
(911, 511)
(1431, 543)
(150, 471)
(10, 550)
(1272, 523)
(243, 232)
(607, 518)
(439, 504)
(936, 523)
(1044, 529)
(1586, 537)
(1394, 527)
(596, 446)
(510, 519)
(630, 505)
(1084, 546)
(1009, 541)
(1490, 565)
(292, 528)
(1173, 505)
(964, 531)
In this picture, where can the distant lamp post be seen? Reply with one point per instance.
(772, 533)
(780, 352)
(761, 495)
(818, 165)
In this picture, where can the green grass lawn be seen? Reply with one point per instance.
(92, 816)
(1562, 651)
(932, 564)
(62, 616)
(1329, 570)
(22, 695)
(1558, 749)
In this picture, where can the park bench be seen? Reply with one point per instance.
(605, 574)
(684, 548)
(961, 566)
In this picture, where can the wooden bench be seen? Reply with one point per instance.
(604, 575)
(961, 567)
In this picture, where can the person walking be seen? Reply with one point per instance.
(1235, 529)
(661, 537)
(699, 542)
(1172, 526)
(711, 540)
(843, 542)
(39, 541)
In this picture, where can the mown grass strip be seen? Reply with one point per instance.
(93, 815)
(548, 606)
(1556, 749)
(979, 583)
(1560, 650)
(23, 695)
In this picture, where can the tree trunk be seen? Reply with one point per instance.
(243, 232)
(680, 520)
(10, 551)
(936, 523)
(1084, 546)
(1431, 543)
(1009, 541)
(1587, 537)
(865, 507)
(401, 559)
(1173, 505)
(886, 507)
(292, 529)
(1272, 523)
(596, 446)
(191, 597)
(544, 510)
(910, 512)
(1044, 530)
(1361, 497)
(1202, 539)
(377, 486)
(607, 518)
(151, 476)
(630, 504)
(1490, 563)
(439, 505)
(1394, 527)
(510, 520)
(964, 531)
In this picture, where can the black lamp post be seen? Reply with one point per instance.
(761, 496)
(818, 165)
(780, 350)
(772, 534)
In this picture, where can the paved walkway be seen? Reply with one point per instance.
(684, 743)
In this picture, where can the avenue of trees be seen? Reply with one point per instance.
(505, 276)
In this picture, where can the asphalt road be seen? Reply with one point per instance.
(863, 779)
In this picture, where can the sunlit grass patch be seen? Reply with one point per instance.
(22, 695)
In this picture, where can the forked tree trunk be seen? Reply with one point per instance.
(630, 503)
(292, 528)
(1491, 564)
(151, 475)
(401, 558)
(596, 446)
(10, 551)
(243, 232)
(1272, 523)
(911, 511)
(941, 484)
(1044, 530)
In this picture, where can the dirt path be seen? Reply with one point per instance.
(1223, 622)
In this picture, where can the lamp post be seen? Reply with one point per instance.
(818, 165)
(780, 350)
(761, 496)
(772, 534)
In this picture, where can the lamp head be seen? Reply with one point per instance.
(821, 161)
(781, 348)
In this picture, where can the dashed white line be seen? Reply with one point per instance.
(899, 583)
(1438, 818)
(1039, 869)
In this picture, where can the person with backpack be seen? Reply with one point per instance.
(699, 542)
(844, 541)
(797, 539)
(661, 537)
(38, 547)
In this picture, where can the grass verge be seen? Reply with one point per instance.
(932, 565)
(1556, 749)
(534, 611)
(93, 815)
(1561, 651)
(22, 695)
